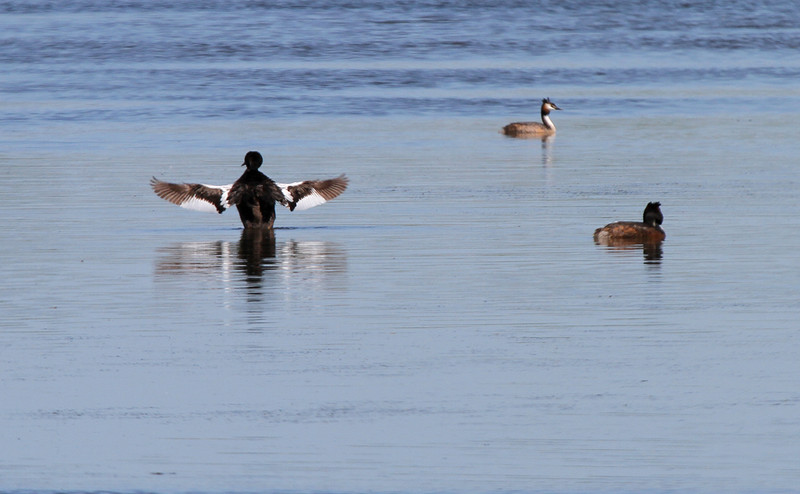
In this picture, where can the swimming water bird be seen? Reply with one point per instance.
(254, 194)
(647, 232)
(534, 129)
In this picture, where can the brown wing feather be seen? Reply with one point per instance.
(327, 189)
(180, 194)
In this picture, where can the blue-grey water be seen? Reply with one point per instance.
(447, 324)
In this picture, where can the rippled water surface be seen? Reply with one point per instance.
(447, 324)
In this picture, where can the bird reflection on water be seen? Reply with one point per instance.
(547, 150)
(256, 253)
(652, 252)
(266, 269)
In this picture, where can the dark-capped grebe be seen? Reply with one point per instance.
(534, 129)
(647, 232)
(254, 194)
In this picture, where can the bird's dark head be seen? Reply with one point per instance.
(253, 160)
(652, 214)
(548, 105)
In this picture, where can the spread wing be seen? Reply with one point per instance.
(199, 197)
(310, 193)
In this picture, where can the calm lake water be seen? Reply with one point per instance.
(446, 325)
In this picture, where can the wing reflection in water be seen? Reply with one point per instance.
(652, 252)
(266, 269)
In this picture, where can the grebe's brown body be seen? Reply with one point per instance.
(632, 232)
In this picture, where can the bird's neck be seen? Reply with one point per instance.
(546, 120)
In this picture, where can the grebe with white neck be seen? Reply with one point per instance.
(534, 129)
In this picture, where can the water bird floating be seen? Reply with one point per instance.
(647, 232)
(534, 129)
